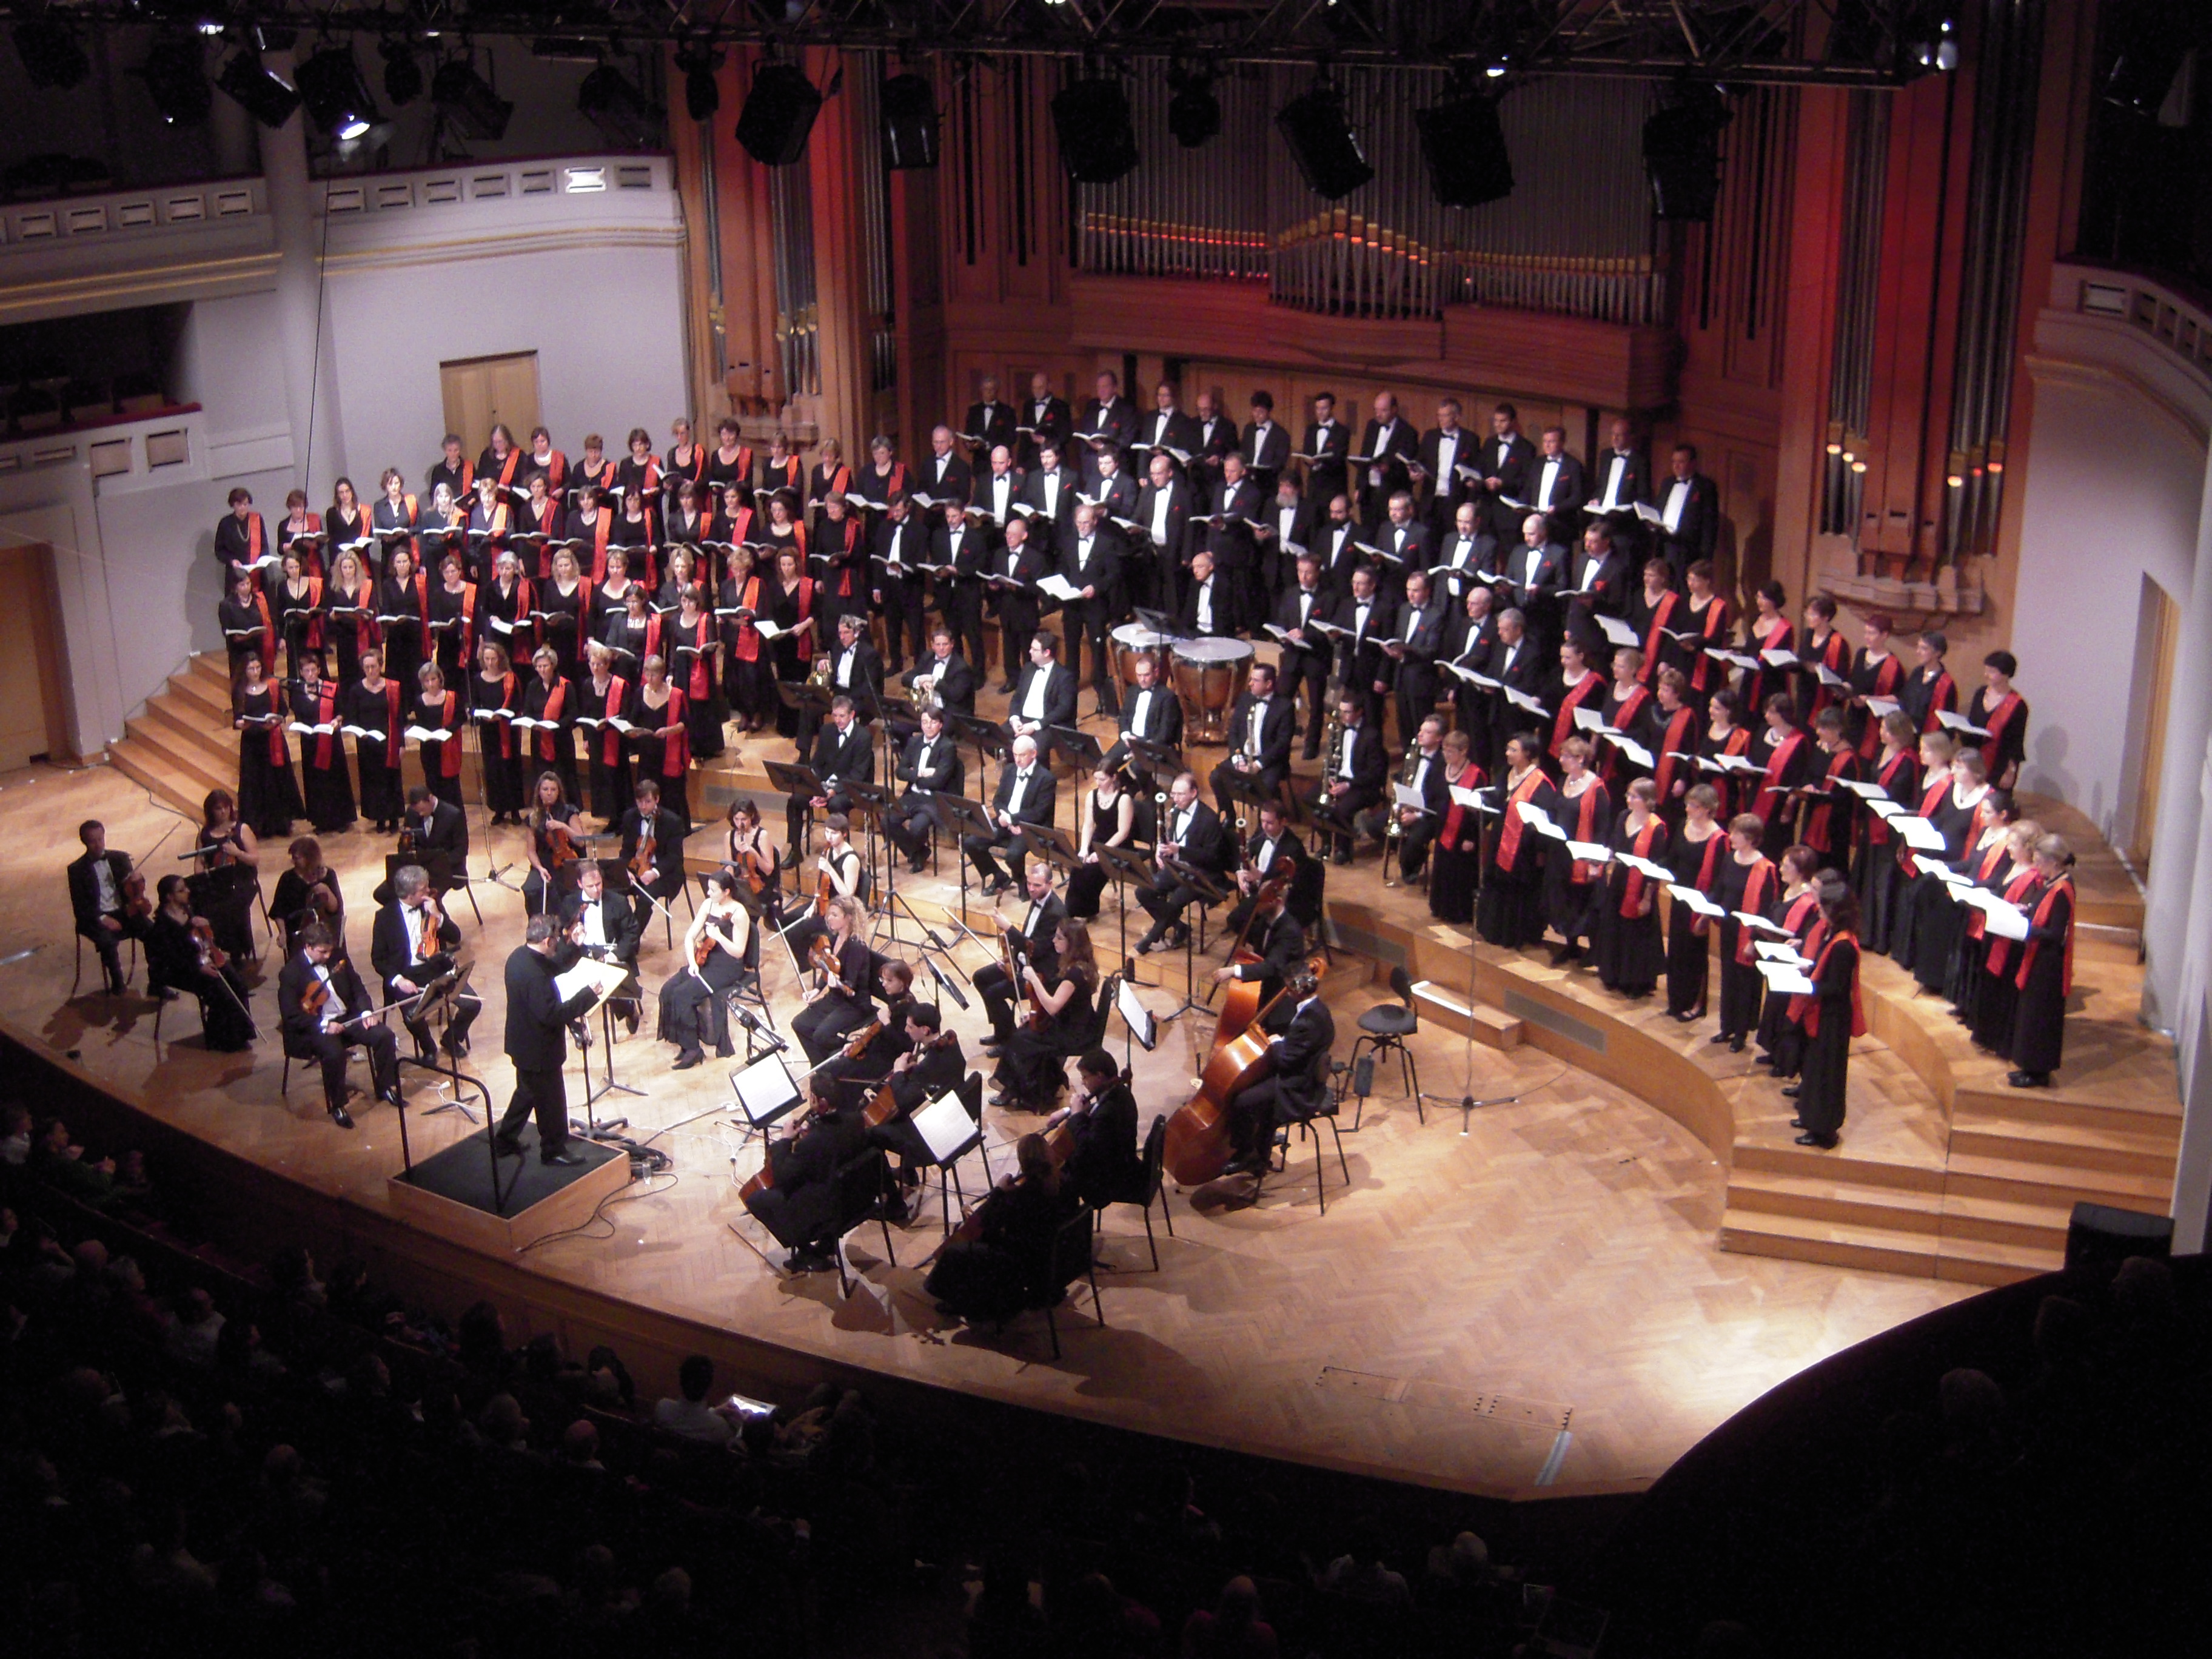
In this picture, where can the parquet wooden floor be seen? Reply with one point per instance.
(1556, 1264)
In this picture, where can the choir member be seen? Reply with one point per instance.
(1827, 806)
(1465, 549)
(605, 696)
(1655, 612)
(2005, 858)
(637, 528)
(454, 473)
(783, 470)
(1555, 478)
(743, 597)
(453, 612)
(1710, 618)
(297, 607)
(1353, 775)
(307, 892)
(883, 478)
(1571, 885)
(1457, 858)
(592, 523)
(638, 473)
(1999, 710)
(1767, 629)
(1092, 567)
(1831, 1017)
(484, 527)
(1745, 886)
(539, 522)
(610, 595)
(1672, 736)
(1304, 664)
(662, 738)
(1823, 648)
(327, 786)
(395, 517)
(1109, 819)
(552, 847)
(829, 479)
(1618, 477)
(566, 602)
(731, 462)
(182, 955)
(1577, 686)
(1366, 620)
(1627, 710)
(1693, 857)
(1877, 877)
(1435, 469)
(694, 1000)
(595, 472)
(685, 464)
(494, 698)
(1504, 461)
(695, 647)
(249, 633)
(1327, 448)
(549, 700)
(1929, 690)
(374, 704)
(1876, 672)
(345, 523)
(1724, 736)
(1416, 636)
(1952, 800)
(302, 530)
(1628, 948)
(1795, 908)
(435, 710)
(1993, 1005)
(794, 613)
(268, 794)
(1689, 511)
(1532, 574)
(1264, 446)
(1784, 757)
(781, 528)
(403, 613)
(547, 463)
(1509, 910)
(1593, 584)
(689, 518)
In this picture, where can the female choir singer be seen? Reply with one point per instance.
(437, 709)
(376, 706)
(1627, 945)
(327, 784)
(549, 702)
(2045, 977)
(1509, 911)
(1831, 1017)
(494, 699)
(268, 795)
(1456, 864)
(1746, 886)
(1693, 858)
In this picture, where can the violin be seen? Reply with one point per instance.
(137, 905)
(433, 922)
(560, 842)
(213, 957)
(641, 861)
(822, 957)
(748, 861)
(703, 947)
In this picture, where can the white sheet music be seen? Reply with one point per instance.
(943, 1126)
(765, 1091)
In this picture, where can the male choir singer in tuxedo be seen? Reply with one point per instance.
(1306, 651)
(1092, 567)
(1047, 418)
(990, 422)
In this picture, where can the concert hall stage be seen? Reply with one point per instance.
(1535, 1302)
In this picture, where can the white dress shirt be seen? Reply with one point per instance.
(1678, 499)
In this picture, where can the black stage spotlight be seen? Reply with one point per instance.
(403, 73)
(467, 101)
(2154, 37)
(176, 80)
(1682, 154)
(703, 94)
(267, 97)
(1323, 144)
(337, 99)
(1097, 141)
(1464, 145)
(611, 101)
(908, 105)
(52, 56)
(1195, 112)
(779, 113)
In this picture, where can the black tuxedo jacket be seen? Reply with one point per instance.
(984, 493)
(297, 1023)
(1033, 561)
(914, 534)
(1532, 590)
(1325, 473)
(1118, 496)
(942, 478)
(669, 831)
(1369, 764)
(1301, 1055)
(1452, 490)
(1698, 529)
(1332, 544)
(1060, 693)
(943, 774)
(1568, 492)
(967, 560)
(1050, 425)
(537, 1019)
(1267, 452)
(1206, 845)
(448, 832)
(1063, 506)
(1103, 573)
(1362, 657)
(866, 677)
(1174, 430)
(1187, 613)
(1116, 423)
(1163, 717)
(1038, 802)
(1231, 543)
(1209, 447)
(851, 755)
(1409, 541)
(619, 919)
(956, 682)
(1522, 668)
(387, 947)
(993, 423)
(1635, 481)
(1404, 440)
(1181, 499)
(84, 889)
(1277, 726)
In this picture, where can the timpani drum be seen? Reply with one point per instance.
(1131, 641)
(1207, 674)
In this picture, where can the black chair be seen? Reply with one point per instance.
(78, 978)
(1383, 1030)
(1310, 1123)
(859, 1189)
(1067, 1260)
(1153, 1185)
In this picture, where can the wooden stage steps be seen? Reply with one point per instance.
(1945, 1170)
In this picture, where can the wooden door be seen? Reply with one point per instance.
(2161, 636)
(481, 392)
(28, 662)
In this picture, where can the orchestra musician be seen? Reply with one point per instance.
(1278, 941)
(307, 892)
(985, 1277)
(748, 850)
(931, 1066)
(412, 947)
(323, 1010)
(553, 844)
(844, 749)
(844, 968)
(841, 872)
(1193, 843)
(1150, 711)
(693, 1000)
(931, 767)
(1352, 774)
(1109, 819)
(798, 1204)
(100, 903)
(1260, 728)
(653, 843)
(538, 1022)
(1034, 938)
(181, 956)
(1297, 1086)
(1104, 1165)
(1030, 1069)
(1273, 844)
(1027, 794)
(1424, 773)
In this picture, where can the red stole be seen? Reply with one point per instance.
(1806, 1009)
(1836, 657)
(1992, 857)
(1930, 795)
(506, 473)
(1885, 677)
(449, 751)
(394, 742)
(1631, 895)
(1621, 720)
(556, 470)
(1755, 903)
(749, 639)
(1662, 614)
(1585, 872)
(1471, 777)
(280, 753)
(1878, 827)
(744, 463)
(2042, 918)
(253, 534)
(793, 475)
(268, 630)
(1816, 826)
(556, 701)
(603, 522)
(1713, 633)
(2024, 880)
(469, 619)
(468, 474)
(1942, 696)
(326, 711)
(844, 539)
(1772, 794)
(840, 482)
(703, 674)
(2000, 717)
(1794, 917)
(741, 530)
(676, 751)
(505, 727)
(1671, 749)
(1509, 821)
(1592, 683)
(1707, 870)
(805, 592)
(610, 741)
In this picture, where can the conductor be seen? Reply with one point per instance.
(538, 1043)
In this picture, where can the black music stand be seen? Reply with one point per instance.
(988, 738)
(1209, 894)
(1081, 750)
(1245, 787)
(1156, 757)
(797, 779)
(435, 1001)
(958, 813)
(1126, 868)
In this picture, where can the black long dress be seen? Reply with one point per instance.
(1996, 999)
(1826, 1067)
(1032, 1067)
(1742, 985)
(1689, 947)
(1628, 947)
(692, 1010)
(427, 710)
(1778, 1035)
(1571, 886)
(988, 1277)
(1087, 883)
(1875, 875)
(1509, 911)
(403, 644)
(173, 962)
(2044, 981)
(551, 751)
(1927, 920)
(566, 617)
(500, 748)
(231, 914)
(268, 793)
(452, 619)
(1455, 861)
(380, 761)
(326, 785)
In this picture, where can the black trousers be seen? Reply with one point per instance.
(909, 824)
(1255, 1114)
(1267, 780)
(1346, 806)
(998, 992)
(796, 811)
(904, 599)
(328, 1050)
(1017, 625)
(1167, 900)
(1308, 669)
(109, 947)
(822, 1025)
(983, 852)
(543, 1095)
(963, 616)
(1091, 619)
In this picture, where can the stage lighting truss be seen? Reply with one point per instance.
(1821, 42)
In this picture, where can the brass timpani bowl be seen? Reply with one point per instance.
(1207, 674)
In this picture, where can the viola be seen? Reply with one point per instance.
(137, 905)
(640, 862)
(433, 922)
(213, 957)
(560, 842)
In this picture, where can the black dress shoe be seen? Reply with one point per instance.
(393, 1097)
(561, 1160)
(631, 1019)
(685, 1062)
(506, 1147)
(1718, 1037)
(1825, 1143)
(456, 1046)
(1797, 1122)
(341, 1117)
(426, 1052)
(1789, 1091)
(1736, 1045)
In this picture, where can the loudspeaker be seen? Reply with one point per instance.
(908, 107)
(1464, 145)
(1323, 144)
(779, 113)
(1682, 154)
(2098, 1235)
(1097, 141)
